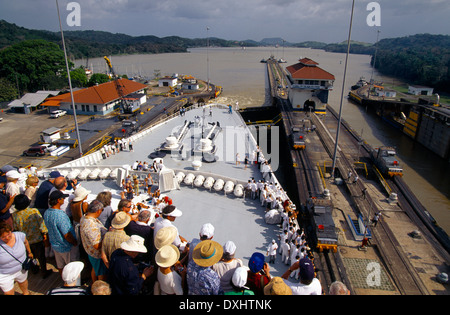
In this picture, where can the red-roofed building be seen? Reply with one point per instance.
(310, 85)
(100, 99)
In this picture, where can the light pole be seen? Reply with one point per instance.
(375, 56)
(342, 93)
(70, 83)
(207, 56)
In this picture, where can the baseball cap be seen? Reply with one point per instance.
(54, 174)
(256, 262)
(306, 269)
(57, 194)
(207, 230)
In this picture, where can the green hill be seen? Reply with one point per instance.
(82, 44)
(419, 59)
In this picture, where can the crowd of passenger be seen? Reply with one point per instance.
(134, 250)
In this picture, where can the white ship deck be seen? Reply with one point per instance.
(238, 219)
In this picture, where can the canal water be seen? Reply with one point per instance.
(243, 79)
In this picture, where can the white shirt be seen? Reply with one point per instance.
(260, 186)
(272, 250)
(294, 252)
(170, 283)
(314, 288)
(225, 270)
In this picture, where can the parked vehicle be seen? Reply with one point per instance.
(34, 151)
(57, 113)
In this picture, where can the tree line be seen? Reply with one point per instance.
(38, 64)
(422, 59)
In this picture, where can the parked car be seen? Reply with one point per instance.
(57, 113)
(35, 151)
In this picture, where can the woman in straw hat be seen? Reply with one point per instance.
(171, 276)
(201, 279)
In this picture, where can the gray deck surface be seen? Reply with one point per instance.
(237, 219)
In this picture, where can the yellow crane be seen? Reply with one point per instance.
(125, 107)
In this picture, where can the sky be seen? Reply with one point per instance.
(293, 20)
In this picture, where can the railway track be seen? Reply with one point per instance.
(392, 256)
(408, 201)
(396, 262)
(307, 185)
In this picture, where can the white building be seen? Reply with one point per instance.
(168, 81)
(380, 91)
(310, 86)
(30, 101)
(100, 99)
(420, 90)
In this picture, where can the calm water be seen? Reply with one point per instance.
(243, 78)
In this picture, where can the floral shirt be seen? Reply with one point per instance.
(92, 232)
(202, 280)
(31, 223)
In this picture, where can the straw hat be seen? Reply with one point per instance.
(277, 286)
(80, 194)
(165, 236)
(134, 244)
(167, 255)
(121, 220)
(207, 253)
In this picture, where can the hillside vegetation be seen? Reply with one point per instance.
(419, 59)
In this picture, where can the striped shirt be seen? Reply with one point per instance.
(75, 290)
